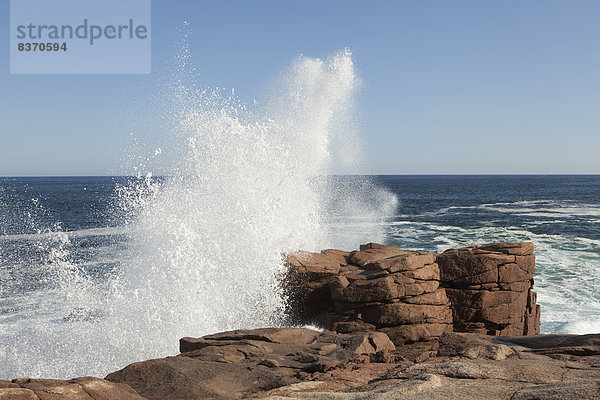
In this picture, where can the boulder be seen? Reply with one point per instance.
(472, 346)
(402, 334)
(372, 252)
(273, 335)
(405, 261)
(325, 263)
(189, 378)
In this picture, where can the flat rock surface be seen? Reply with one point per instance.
(366, 365)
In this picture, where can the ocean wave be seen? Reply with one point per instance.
(82, 233)
(533, 208)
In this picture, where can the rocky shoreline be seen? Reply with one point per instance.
(397, 323)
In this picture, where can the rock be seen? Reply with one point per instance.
(490, 288)
(383, 356)
(560, 391)
(459, 370)
(467, 366)
(393, 313)
(405, 261)
(372, 252)
(364, 291)
(273, 335)
(325, 263)
(49, 388)
(415, 332)
(54, 389)
(512, 272)
(470, 345)
(283, 363)
(554, 341)
(244, 362)
(519, 249)
(352, 326)
(363, 343)
(583, 345)
(436, 298)
(399, 313)
(17, 394)
(417, 288)
(100, 389)
(188, 378)
(407, 389)
(483, 289)
(235, 346)
(463, 267)
(368, 293)
(428, 272)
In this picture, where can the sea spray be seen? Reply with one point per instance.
(244, 185)
(250, 188)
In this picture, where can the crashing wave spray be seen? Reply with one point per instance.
(212, 238)
(207, 241)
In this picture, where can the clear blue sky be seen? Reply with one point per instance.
(448, 86)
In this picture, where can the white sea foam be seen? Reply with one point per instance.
(80, 233)
(533, 208)
(544, 208)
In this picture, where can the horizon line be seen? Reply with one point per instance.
(380, 174)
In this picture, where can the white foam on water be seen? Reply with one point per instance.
(81, 233)
(581, 327)
(245, 187)
(544, 208)
(533, 208)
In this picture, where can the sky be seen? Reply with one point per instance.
(448, 87)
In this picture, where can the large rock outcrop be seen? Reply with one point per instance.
(491, 288)
(415, 296)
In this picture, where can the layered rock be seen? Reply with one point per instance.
(491, 288)
(415, 296)
(378, 287)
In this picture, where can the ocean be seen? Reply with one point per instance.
(560, 214)
(72, 234)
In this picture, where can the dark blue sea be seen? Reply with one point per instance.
(78, 230)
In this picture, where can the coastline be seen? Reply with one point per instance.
(360, 356)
